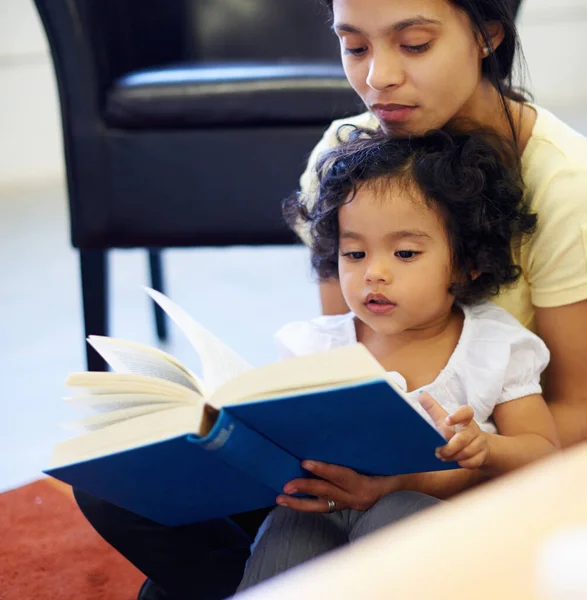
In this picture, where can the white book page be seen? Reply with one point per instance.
(130, 357)
(104, 403)
(147, 429)
(345, 365)
(107, 419)
(219, 362)
(97, 383)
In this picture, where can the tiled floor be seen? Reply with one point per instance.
(241, 294)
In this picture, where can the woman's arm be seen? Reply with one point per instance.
(564, 331)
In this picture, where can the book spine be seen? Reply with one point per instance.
(250, 452)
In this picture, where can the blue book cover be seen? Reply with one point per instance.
(255, 448)
(178, 449)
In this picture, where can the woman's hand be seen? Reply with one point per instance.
(345, 487)
(468, 443)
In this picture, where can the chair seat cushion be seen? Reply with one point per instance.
(247, 94)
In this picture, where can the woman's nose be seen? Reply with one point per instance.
(385, 71)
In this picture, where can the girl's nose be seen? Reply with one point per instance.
(378, 272)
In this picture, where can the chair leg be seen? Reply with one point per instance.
(94, 276)
(156, 268)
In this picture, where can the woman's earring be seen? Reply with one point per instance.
(486, 51)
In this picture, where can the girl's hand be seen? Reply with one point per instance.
(345, 487)
(468, 443)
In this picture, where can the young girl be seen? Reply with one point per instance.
(419, 233)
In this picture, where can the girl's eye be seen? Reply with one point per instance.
(354, 255)
(417, 49)
(355, 51)
(406, 254)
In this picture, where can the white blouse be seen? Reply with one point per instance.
(496, 359)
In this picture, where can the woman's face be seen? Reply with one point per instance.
(415, 63)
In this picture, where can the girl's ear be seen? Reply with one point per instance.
(460, 277)
(495, 34)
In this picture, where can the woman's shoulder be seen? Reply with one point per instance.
(332, 137)
(339, 131)
(340, 128)
(554, 149)
(316, 335)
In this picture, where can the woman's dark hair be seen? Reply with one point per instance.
(500, 65)
(471, 179)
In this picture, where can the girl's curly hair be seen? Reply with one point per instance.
(472, 179)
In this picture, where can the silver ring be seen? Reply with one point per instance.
(331, 506)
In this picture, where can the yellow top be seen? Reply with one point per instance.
(554, 259)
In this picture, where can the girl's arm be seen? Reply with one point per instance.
(527, 433)
(564, 331)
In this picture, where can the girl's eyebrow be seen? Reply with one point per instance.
(394, 235)
(395, 28)
(409, 233)
(350, 235)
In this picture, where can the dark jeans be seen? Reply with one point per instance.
(203, 561)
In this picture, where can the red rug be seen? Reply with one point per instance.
(49, 551)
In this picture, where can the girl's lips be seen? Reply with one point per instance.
(378, 304)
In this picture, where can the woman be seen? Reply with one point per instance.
(419, 64)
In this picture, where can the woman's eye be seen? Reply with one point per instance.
(354, 51)
(419, 49)
(406, 254)
(354, 255)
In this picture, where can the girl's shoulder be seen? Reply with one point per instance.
(495, 361)
(487, 325)
(316, 335)
(497, 353)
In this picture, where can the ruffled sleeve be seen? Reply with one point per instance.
(497, 360)
(529, 356)
(317, 335)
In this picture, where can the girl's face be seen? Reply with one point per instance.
(394, 260)
(415, 63)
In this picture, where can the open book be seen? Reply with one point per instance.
(176, 448)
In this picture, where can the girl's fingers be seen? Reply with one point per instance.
(463, 416)
(437, 414)
(458, 443)
(475, 462)
(476, 447)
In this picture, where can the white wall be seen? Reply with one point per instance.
(554, 34)
(554, 38)
(30, 129)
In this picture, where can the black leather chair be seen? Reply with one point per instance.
(186, 122)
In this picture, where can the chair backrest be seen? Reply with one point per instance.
(95, 41)
(260, 30)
